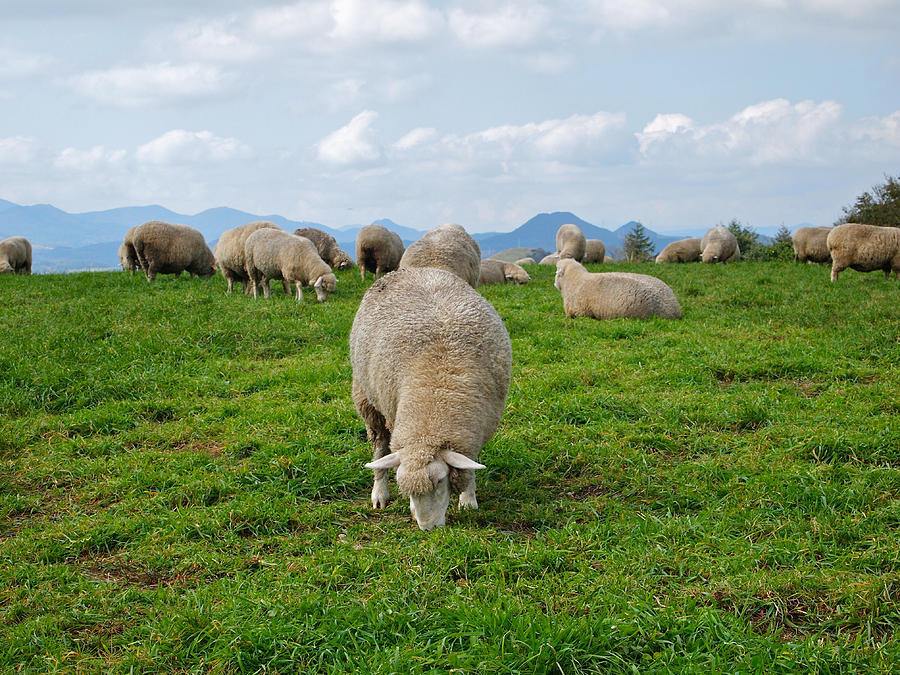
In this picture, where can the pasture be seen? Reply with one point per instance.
(182, 485)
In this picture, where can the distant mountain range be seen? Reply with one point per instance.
(65, 242)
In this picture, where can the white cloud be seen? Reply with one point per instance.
(215, 41)
(416, 137)
(15, 64)
(88, 160)
(880, 130)
(384, 20)
(303, 19)
(191, 147)
(513, 25)
(18, 150)
(775, 131)
(158, 83)
(352, 145)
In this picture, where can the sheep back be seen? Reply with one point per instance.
(378, 250)
(811, 244)
(681, 251)
(169, 248)
(864, 248)
(594, 251)
(448, 247)
(570, 242)
(15, 256)
(613, 295)
(229, 251)
(327, 247)
(719, 245)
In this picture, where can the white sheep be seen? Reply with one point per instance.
(811, 244)
(613, 295)
(327, 247)
(127, 255)
(431, 369)
(864, 248)
(229, 252)
(378, 250)
(168, 248)
(594, 251)
(526, 261)
(500, 271)
(681, 251)
(570, 242)
(15, 256)
(448, 247)
(549, 259)
(719, 245)
(276, 254)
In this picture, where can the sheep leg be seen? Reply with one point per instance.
(467, 492)
(377, 432)
(267, 291)
(285, 286)
(299, 291)
(835, 270)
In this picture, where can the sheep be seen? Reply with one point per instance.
(613, 295)
(498, 272)
(229, 253)
(448, 247)
(550, 259)
(681, 251)
(810, 244)
(594, 251)
(15, 256)
(378, 250)
(167, 248)
(127, 254)
(570, 242)
(864, 248)
(526, 261)
(431, 364)
(327, 247)
(719, 245)
(276, 254)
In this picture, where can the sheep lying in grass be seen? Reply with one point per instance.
(127, 255)
(498, 272)
(864, 248)
(167, 248)
(613, 295)
(15, 256)
(550, 259)
(811, 244)
(431, 369)
(526, 261)
(570, 242)
(594, 251)
(681, 251)
(229, 252)
(378, 250)
(719, 245)
(448, 247)
(327, 247)
(276, 254)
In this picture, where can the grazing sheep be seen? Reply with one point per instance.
(276, 254)
(498, 272)
(378, 250)
(167, 248)
(551, 259)
(431, 369)
(526, 261)
(811, 244)
(229, 253)
(594, 251)
(570, 242)
(448, 247)
(15, 256)
(681, 251)
(719, 245)
(613, 295)
(127, 254)
(327, 247)
(864, 248)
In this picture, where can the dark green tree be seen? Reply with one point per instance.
(782, 246)
(748, 241)
(881, 206)
(637, 245)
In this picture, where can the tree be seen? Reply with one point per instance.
(881, 206)
(748, 241)
(637, 245)
(782, 246)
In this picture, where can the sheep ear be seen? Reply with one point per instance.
(318, 283)
(459, 461)
(389, 461)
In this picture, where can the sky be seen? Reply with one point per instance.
(680, 114)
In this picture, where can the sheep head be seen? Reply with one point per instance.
(324, 285)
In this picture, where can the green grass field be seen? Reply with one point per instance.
(182, 485)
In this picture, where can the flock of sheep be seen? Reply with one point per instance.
(431, 358)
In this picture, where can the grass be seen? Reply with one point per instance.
(182, 489)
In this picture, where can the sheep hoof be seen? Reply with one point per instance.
(467, 500)
(380, 496)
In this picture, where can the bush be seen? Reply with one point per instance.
(879, 207)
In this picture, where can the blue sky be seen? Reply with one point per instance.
(678, 113)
